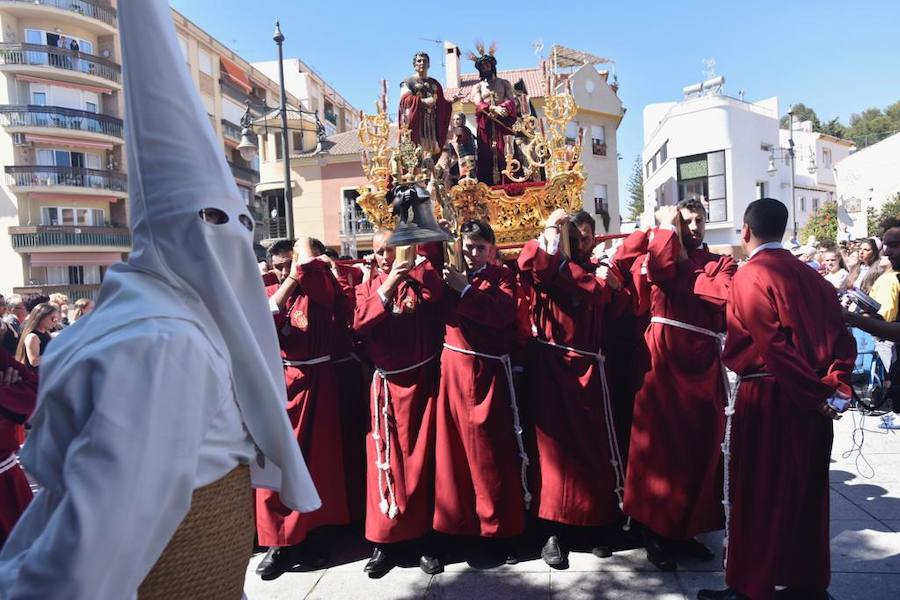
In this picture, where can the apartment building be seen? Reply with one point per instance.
(728, 152)
(63, 196)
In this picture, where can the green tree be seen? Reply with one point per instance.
(636, 190)
(891, 208)
(822, 224)
(802, 113)
(873, 125)
(834, 128)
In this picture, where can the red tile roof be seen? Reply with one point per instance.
(533, 78)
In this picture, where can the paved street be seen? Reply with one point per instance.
(865, 534)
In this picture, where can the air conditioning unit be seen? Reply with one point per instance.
(19, 139)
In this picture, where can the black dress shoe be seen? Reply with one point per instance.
(658, 555)
(379, 565)
(552, 553)
(276, 561)
(728, 594)
(696, 549)
(431, 565)
(601, 551)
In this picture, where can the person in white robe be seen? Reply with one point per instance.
(174, 381)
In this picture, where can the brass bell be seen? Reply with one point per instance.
(413, 216)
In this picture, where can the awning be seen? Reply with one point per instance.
(68, 197)
(236, 75)
(66, 84)
(66, 259)
(67, 142)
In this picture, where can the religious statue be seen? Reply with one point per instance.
(495, 114)
(458, 157)
(423, 107)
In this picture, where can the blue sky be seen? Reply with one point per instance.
(837, 57)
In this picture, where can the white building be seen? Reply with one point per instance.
(866, 180)
(728, 152)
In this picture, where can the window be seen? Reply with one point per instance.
(184, 47)
(278, 153)
(826, 157)
(765, 147)
(73, 275)
(815, 204)
(598, 140)
(653, 163)
(600, 201)
(209, 104)
(702, 177)
(298, 142)
(90, 107)
(802, 203)
(39, 98)
(571, 132)
(205, 62)
(664, 152)
(761, 189)
(60, 215)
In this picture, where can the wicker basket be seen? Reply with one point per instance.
(209, 553)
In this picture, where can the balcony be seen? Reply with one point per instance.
(72, 123)
(78, 181)
(95, 15)
(231, 131)
(257, 104)
(60, 63)
(244, 173)
(71, 290)
(53, 237)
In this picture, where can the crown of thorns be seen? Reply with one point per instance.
(482, 54)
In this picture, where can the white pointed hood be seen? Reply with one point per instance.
(177, 168)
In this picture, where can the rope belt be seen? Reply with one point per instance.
(306, 363)
(352, 356)
(726, 451)
(703, 331)
(9, 462)
(614, 452)
(514, 405)
(383, 442)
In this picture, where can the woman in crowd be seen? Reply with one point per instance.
(82, 307)
(36, 334)
(869, 269)
(835, 270)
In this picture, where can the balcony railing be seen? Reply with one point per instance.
(230, 130)
(275, 229)
(40, 176)
(60, 118)
(41, 236)
(234, 92)
(60, 58)
(245, 173)
(71, 290)
(94, 9)
(363, 227)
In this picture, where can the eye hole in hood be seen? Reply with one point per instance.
(214, 216)
(246, 222)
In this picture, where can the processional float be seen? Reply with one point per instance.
(536, 168)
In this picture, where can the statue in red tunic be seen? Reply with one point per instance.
(495, 114)
(423, 107)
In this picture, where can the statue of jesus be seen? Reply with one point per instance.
(495, 114)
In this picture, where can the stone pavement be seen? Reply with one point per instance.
(865, 545)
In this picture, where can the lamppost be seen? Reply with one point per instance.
(249, 149)
(773, 168)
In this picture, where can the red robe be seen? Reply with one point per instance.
(674, 482)
(307, 330)
(478, 467)
(353, 379)
(16, 404)
(573, 479)
(412, 112)
(404, 333)
(783, 319)
(491, 142)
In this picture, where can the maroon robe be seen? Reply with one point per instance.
(478, 467)
(573, 479)
(674, 482)
(307, 329)
(403, 334)
(491, 129)
(353, 379)
(783, 319)
(17, 402)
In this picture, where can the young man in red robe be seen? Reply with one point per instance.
(398, 320)
(18, 396)
(674, 482)
(788, 344)
(577, 469)
(480, 459)
(304, 304)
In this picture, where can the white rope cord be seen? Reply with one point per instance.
(352, 356)
(726, 451)
(615, 454)
(306, 363)
(514, 405)
(8, 463)
(388, 503)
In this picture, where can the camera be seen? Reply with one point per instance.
(860, 303)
